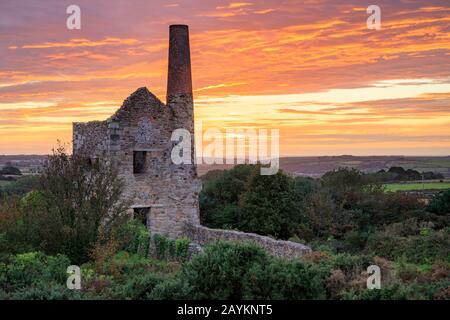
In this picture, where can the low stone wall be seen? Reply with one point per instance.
(287, 249)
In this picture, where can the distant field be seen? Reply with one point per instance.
(312, 166)
(392, 187)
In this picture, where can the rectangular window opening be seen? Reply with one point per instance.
(139, 161)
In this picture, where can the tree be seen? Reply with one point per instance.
(20, 186)
(270, 206)
(348, 185)
(220, 196)
(9, 169)
(241, 198)
(76, 202)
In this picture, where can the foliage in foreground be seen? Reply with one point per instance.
(225, 270)
(346, 211)
(74, 204)
(345, 217)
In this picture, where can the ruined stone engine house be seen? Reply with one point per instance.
(137, 140)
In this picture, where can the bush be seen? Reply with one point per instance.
(324, 219)
(10, 170)
(20, 186)
(172, 289)
(270, 206)
(13, 230)
(355, 241)
(137, 287)
(286, 280)
(75, 204)
(416, 242)
(218, 272)
(440, 204)
(165, 248)
(390, 292)
(133, 237)
(220, 196)
(243, 270)
(242, 198)
(34, 275)
(182, 248)
(161, 246)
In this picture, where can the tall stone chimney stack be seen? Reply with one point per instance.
(179, 77)
(179, 82)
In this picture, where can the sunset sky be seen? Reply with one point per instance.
(309, 68)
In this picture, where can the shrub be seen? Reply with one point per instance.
(124, 262)
(20, 186)
(440, 204)
(45, 291)
(242, 198)
(182, 248)
(388, 292)
(133, 237)
(324, 219)
(396, 207)
(412, 241)
(13, 230)
(165, 248)
(75, 202)
(351, 265)
(172, 289)
(161, 246)
(355, 241)
(270, 205)
(137, 286)
(220, 196)
(285, 279)
(25, 271)
(10, 170)
(218, 272)
(243, 270)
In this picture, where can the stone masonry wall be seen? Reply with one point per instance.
(287, 249)
(144, 124)
(90, 138)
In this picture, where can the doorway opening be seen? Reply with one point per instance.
(142, 215)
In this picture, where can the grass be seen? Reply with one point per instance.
(392, 187)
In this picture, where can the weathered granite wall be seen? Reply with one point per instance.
(287, 249)
(90, 138)
(144, 124)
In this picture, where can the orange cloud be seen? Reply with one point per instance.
(74, 43)
(285, 70)
(234, 5)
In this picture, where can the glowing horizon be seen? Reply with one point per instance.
(311, 69)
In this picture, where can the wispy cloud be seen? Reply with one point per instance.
(234, 5)
(74, 43)
(310, 68)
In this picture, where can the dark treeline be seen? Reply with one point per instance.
(395, 174)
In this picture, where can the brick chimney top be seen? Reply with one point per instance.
(179, 76)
